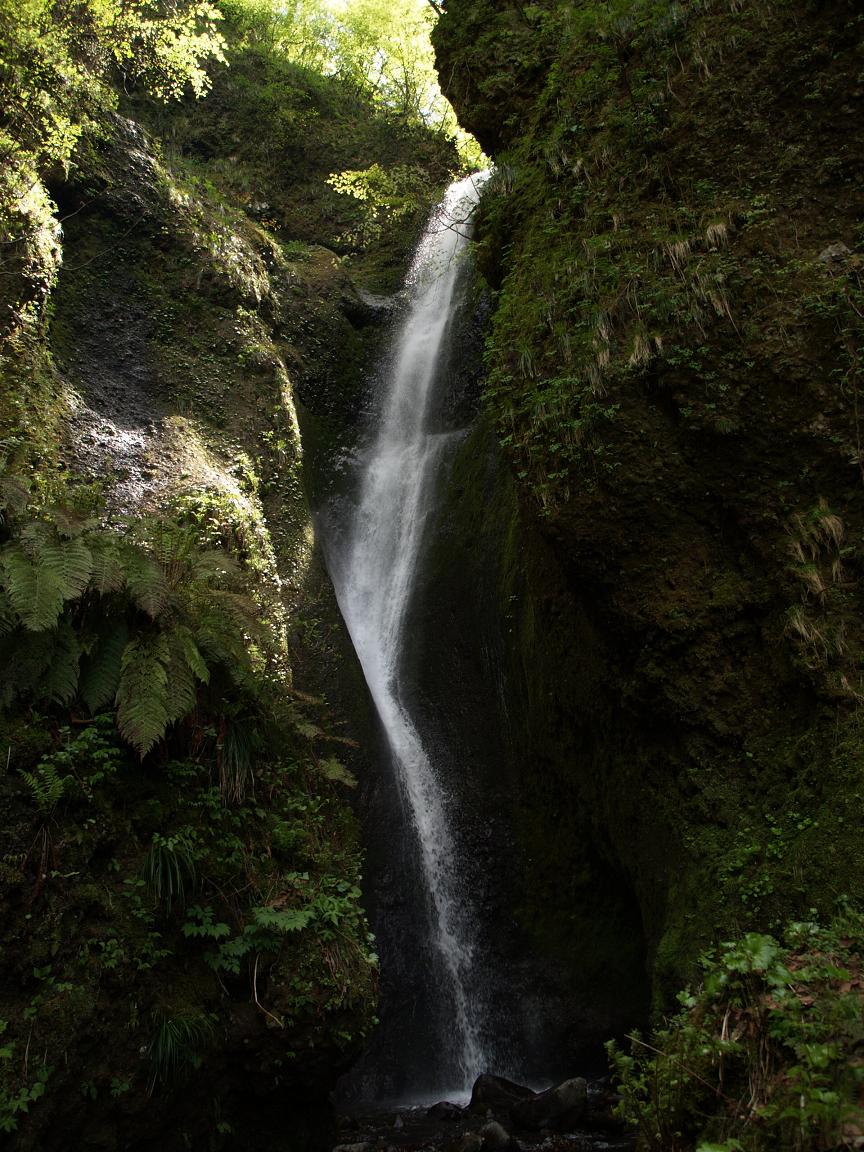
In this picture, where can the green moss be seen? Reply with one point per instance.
(272, 134)
(672, 369)
(195, 922)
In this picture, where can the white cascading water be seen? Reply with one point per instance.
(374, 584)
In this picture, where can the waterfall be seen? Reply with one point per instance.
(374, 578)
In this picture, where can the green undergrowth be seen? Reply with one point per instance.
(160, 902)
(764, 1054)
(177, 846)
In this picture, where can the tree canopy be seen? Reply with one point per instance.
(56, 57)
(382, 47)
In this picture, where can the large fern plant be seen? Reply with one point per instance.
(138, 621)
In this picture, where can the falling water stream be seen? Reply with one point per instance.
(374, 583)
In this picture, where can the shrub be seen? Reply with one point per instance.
(767, 1054)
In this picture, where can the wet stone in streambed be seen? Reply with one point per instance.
(484, 1126)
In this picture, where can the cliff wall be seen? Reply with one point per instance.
(185, 959)
(673, 244)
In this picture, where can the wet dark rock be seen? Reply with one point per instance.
(434, 1129)
(496, 1092)
(362, 1146)
(364, 308)
(558, 1108)
(495, 1137)
(446, 1111)
(469, 1142)
(601, 1112)
(833, 253)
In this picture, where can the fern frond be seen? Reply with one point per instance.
(46, 785)
(183, 687)
(8, 619)
(35, 595)
(192, 654)
(108, 574)
(173, 546)
(145, 580)
(71, 561)
(40, 574)
(35, 535)
(335, 770)
(100, 675)
(218, 637)
(307, 729)
(215, 566)
(241, 610)
(60, 681)
(69, 521)
(143, 712)
(223, 620)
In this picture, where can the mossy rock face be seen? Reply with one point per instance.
(673, 366)
(272, 134)
(161, 375)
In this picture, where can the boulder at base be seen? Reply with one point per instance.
(495, 1138)
(469, 1142)
(496, 1092)
(445, 1110)
(557, 1107)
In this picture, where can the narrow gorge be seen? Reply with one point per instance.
(430, 576)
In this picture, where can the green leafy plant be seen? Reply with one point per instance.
(18, 1091)
(47, 785)
(83, 761)
(200, 923)
(321, 904)
(764, 1055)
(138, 621)
(384, 196)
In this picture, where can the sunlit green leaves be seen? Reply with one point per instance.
(58, 62)
(335, 770)
(381, 48)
